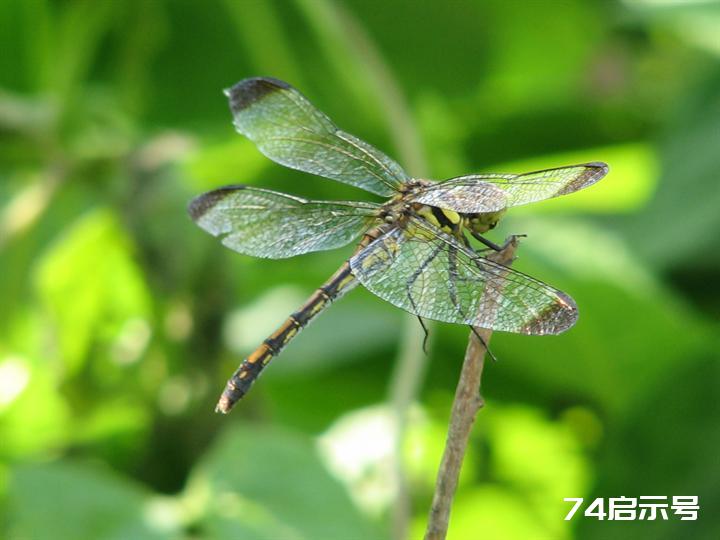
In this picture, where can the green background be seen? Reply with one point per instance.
(120, 319)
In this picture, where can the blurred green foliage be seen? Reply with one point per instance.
(121, 320)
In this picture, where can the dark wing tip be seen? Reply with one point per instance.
(597, 170)
(556, 318)
(248, 91)
(199, 206)
(594, 172)
(598, 165)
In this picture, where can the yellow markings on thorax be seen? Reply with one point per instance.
(426, 213)
(444, 219)
(452, 216)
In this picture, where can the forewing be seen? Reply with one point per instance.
(288, 129)
(467, 197)
(524, 188)
(426, 272)
(265, 223)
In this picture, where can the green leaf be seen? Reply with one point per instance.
(677, 228)
(260, 23)
(70, 501)
(695, 22)
(557, 469)
(266, 483)
(33, 415)
(90, 287)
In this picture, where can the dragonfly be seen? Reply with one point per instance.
(413, 250)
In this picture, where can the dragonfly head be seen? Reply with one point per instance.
(482, 223)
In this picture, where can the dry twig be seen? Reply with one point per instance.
(467, 403)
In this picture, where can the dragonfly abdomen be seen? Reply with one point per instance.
(238, 385)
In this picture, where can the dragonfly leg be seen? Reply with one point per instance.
(484, 343)
(492, 245)
(468, 245)
(425, 332)
(408, 287)
(512, 239)
(452, 261)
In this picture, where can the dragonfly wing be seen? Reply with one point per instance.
(427, 272)
(463, 197)
(288, 129)
(528, 187)
(265, 223)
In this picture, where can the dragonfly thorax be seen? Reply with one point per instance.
(447, 221)
(453, 222)
(482, 223)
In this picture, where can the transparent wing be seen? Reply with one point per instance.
(518, 189)
(466, 197)
(426, 272)
(288, 129)
(265, 223)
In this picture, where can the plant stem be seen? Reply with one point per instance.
(468, 401)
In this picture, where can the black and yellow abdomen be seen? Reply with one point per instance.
(249, 370)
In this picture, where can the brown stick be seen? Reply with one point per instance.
(467, 403)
